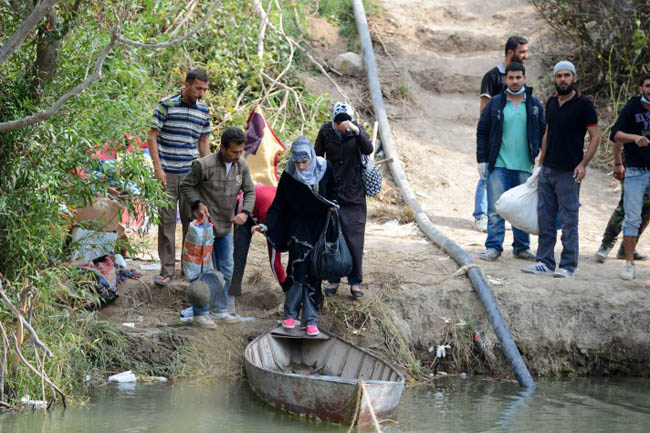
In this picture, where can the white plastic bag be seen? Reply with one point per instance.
(518, 205)
(123, 377)
(197, 249)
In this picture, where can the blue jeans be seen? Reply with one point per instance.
(302, 297)
(351, 281)
(222, 258)
(480, 199)
(499, 181)
(636, 186)
(557, 191)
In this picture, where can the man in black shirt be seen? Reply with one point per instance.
(632, 131)
(493, 84)
(569, 114)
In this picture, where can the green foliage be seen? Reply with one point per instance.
(39, 178)
(609, 42)
(340, 13)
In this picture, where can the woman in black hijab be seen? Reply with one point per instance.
(342, 141)
(294, 222)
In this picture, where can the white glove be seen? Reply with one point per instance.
(483, 170)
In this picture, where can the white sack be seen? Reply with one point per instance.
(518, 205)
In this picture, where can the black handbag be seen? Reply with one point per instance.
(331, 257)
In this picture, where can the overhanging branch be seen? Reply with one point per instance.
(177, 40)
(76, 91)
(14, 42)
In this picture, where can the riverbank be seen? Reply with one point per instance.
(593, 324)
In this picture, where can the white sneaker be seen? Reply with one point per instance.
(563, 273)
(204, 321)
(602, 253)
(490, 254)
(225, 317)
(188, 312)
(481, 224)
(538, 269)
(628, 271)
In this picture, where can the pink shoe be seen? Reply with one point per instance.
(312, 330)
(289, 324)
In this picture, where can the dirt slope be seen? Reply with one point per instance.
(439, 50)
(596, 315)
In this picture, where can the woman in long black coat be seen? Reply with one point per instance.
(342, 141)
(294, 223)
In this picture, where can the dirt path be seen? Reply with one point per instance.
(441, 49)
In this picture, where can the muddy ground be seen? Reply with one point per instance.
(431, 56)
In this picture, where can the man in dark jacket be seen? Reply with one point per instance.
(493, 84)
(508, 139)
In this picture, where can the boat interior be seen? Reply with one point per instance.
(318, 357)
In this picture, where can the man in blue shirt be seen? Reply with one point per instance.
(179, 134)
(508, 140)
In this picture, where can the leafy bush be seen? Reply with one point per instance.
(610, 42)
(39, 181)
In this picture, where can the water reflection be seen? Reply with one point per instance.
(452, 406)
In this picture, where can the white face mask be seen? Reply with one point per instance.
(518, 92)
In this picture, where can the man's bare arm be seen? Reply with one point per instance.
(542, 151)
(204, 146)
(152, 143)
(484, 102)
(623, 137)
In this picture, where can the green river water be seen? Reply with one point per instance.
(455, 405)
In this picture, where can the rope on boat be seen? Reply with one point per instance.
(363, 394)
(373, 417)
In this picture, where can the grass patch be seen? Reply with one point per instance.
(341, 14)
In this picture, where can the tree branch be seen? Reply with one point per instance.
(9, 47)
(260, 11)
(31, 367)
(76, 91)
(207, 16)
(23, 321)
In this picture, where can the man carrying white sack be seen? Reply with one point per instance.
(508, 140)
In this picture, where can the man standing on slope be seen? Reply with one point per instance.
(178, 135)
(632, 131)
(508, 139)
(569, 115)
(493, 84)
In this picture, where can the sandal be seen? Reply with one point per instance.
(356, 293)
(331, 289)
(162, 280)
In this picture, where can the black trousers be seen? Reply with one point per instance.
(241, 243)
(353, 225)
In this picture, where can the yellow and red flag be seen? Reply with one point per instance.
(262, 149)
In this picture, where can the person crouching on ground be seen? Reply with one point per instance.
(212, 186)
(569, 115)
(294, 223)
(632, 131)
(508, 139)
(342, 141)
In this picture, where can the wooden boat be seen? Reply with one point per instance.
(319, 377)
